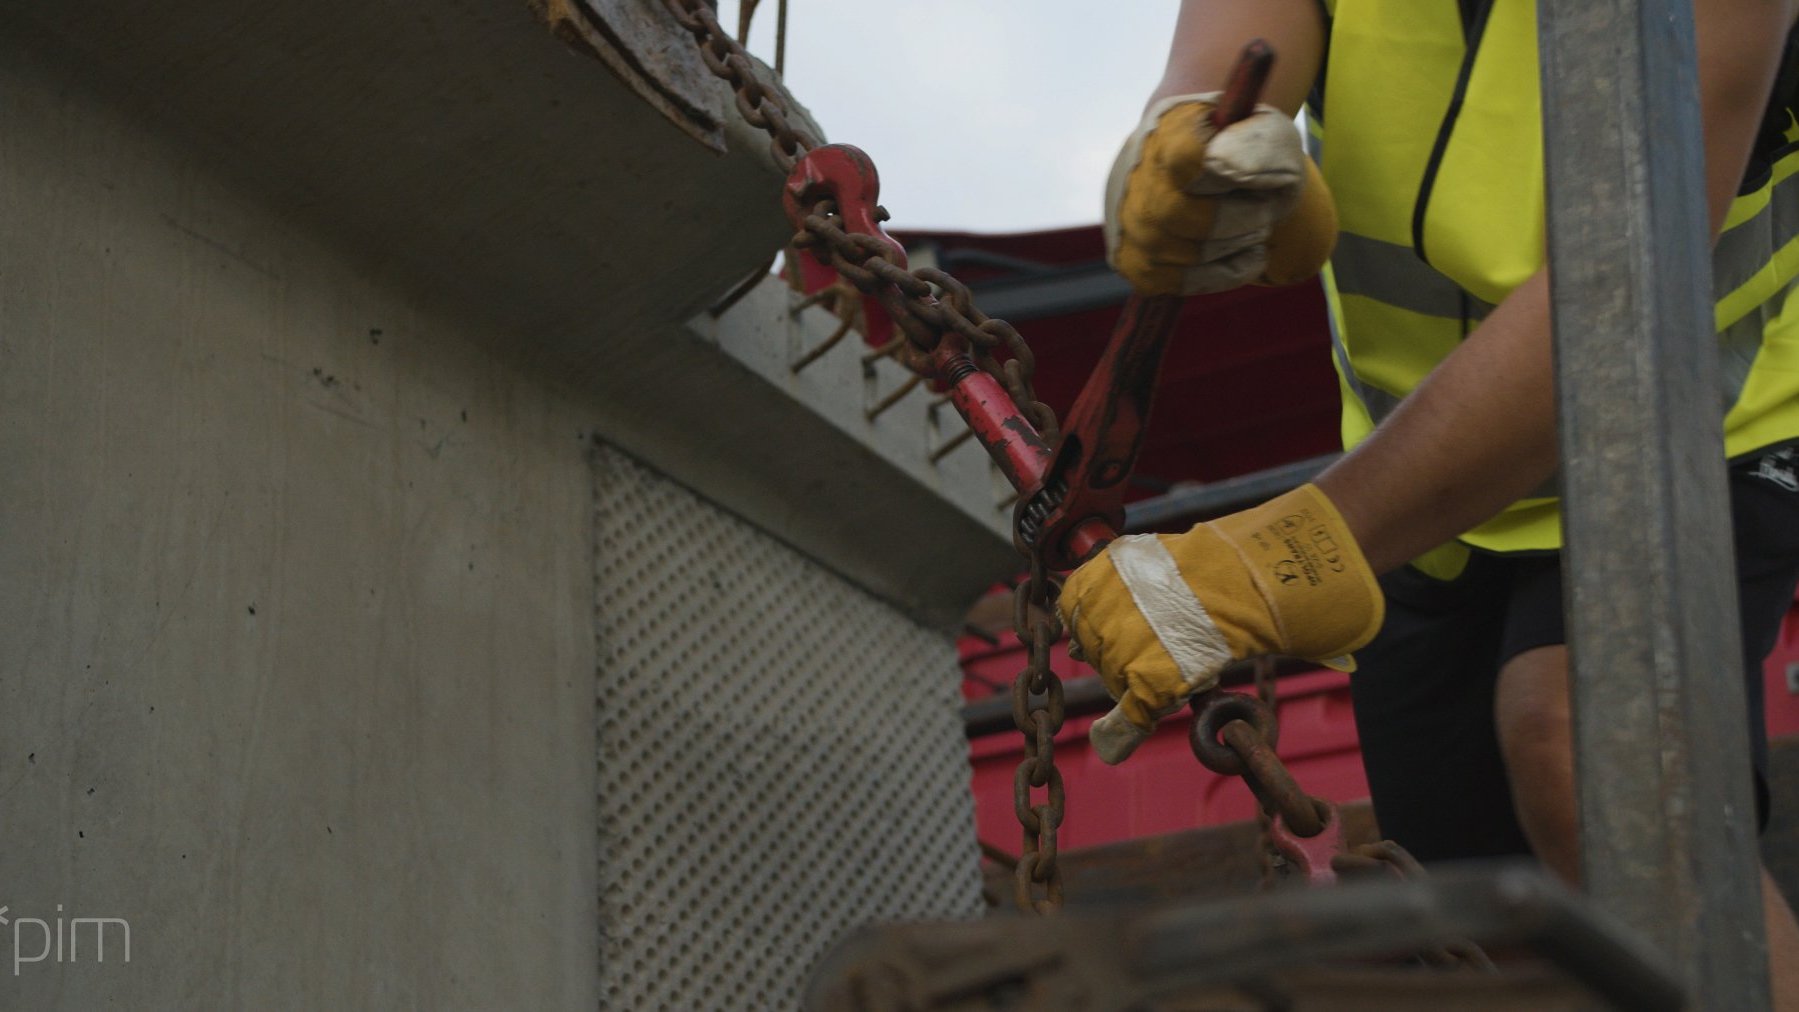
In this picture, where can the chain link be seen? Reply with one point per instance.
(1273, 863)
(925, 304)
(760, 107)
(1235, 735)
(1399, 862)
(1038, 713)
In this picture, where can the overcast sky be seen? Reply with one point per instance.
(982, 115)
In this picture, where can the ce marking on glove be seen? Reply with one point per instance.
(1327, 546)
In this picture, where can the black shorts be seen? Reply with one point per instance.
(1424, 688)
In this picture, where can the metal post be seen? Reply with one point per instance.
(1667, 819)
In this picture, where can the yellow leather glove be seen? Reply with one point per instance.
(1159, 615)
(1190, 209)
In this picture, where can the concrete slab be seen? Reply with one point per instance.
(479, 164)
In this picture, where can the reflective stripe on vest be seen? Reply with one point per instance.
(1436, 164)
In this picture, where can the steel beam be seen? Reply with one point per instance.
(1054, 292)
(1215, 499)
(1667, 820)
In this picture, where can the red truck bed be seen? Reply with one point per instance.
(1163, 789)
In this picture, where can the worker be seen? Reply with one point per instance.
(1429, 550)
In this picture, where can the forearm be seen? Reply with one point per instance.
(1210, 34)
(1477, 434)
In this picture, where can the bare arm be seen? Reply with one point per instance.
(1479, 431)
(1209, 34)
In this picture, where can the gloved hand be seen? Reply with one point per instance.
(1159, 615)
(1190, 209)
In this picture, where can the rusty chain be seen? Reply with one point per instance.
(727, 59)
(1037, 711)
(925, 304)
(1273, 862)
(1388, 856)
(1235, 735)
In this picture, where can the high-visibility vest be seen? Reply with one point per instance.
(1430, 135)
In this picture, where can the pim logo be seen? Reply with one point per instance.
(65, 940)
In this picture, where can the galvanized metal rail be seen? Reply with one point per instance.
(1668, 838)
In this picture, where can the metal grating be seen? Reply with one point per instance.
(780, 757)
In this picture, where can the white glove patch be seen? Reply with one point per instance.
(1180, 621)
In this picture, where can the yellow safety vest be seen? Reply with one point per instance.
(1431, 141)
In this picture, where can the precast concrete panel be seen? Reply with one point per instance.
(780, 756)
(295, 636)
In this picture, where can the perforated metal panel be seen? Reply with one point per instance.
(781, 757)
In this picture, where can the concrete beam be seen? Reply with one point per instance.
(464, 152)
